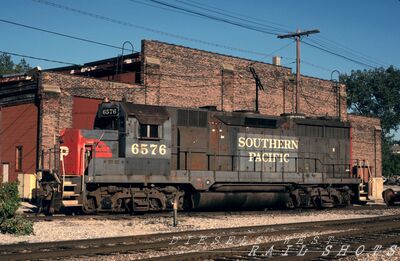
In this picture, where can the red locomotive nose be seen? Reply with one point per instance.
(77, 150)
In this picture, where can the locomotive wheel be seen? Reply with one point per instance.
(89, 207)
(389, 196)
(46, 208)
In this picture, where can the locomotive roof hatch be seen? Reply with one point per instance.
(146, 114)
(255, 120)
(323, 122)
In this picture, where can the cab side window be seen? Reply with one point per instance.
(149, 131)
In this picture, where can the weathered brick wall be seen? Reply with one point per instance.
(366, 145)
(57, 92)
(320, 98)
(181, 76)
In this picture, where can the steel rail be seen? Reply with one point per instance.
(129, 244)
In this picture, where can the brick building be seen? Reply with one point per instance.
(34, 108)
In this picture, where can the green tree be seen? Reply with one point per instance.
(7, 66)
(376, 93)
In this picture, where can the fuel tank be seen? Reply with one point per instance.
(239, 200)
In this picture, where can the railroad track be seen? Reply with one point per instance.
(105, 216)
(167, 244)
(330, 246)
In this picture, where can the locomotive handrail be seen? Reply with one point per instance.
(324, 166)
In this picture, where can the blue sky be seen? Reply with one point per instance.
(366, 31)
(369, 28)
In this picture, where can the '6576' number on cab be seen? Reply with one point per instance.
(149, 149)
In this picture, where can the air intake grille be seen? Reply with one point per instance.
(192, 118)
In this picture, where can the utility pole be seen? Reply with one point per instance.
(297, 36)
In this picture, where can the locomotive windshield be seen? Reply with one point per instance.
(106, 123)
(107, 118)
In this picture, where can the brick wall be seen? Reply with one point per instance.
(366, 143)
(180, 76)
(57, 92)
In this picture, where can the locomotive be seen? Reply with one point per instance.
(141, 158)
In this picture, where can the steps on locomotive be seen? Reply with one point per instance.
(71, 191)
(364, 192)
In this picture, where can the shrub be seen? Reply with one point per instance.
(17, 225)
(9, 200)
(9, 203)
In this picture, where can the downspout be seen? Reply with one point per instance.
(377, 129)
(222, 90)
(351, 151)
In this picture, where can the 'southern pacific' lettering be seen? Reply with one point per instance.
(267, 143)
(267, 149)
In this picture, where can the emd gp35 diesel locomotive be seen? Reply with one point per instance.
(144, 158)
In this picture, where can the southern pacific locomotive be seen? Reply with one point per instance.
(143, 158)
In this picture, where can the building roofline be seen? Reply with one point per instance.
(93, 63)
(96, 79)
(237, 57)
(227, 55)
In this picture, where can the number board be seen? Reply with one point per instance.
(109, 112)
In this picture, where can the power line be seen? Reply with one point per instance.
(212, 10)
(216, 18)
(351, 50)
(284, 28)
(317, 66)
(272, 53)
(228, 15)
(124, 23)
(61, 34)
(349, 53)
(162, 8)
(338, 55)
(38, 58)
(128, 24)
(170, 9)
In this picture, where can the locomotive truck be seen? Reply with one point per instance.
(141, 158)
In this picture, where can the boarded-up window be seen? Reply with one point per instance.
(83, 112)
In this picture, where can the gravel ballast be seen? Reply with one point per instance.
(73, 229)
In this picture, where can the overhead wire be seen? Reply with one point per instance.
(124, 23)
(328, 46)
(128, 24)
(274, 28)
(315, 45)
(61, 34)
(198, 6)
(272, 53)
(349, 51)
(216, 18)
(322, 38)
(38, 58)
(162, 8)
(280, 26)
(338, 55)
